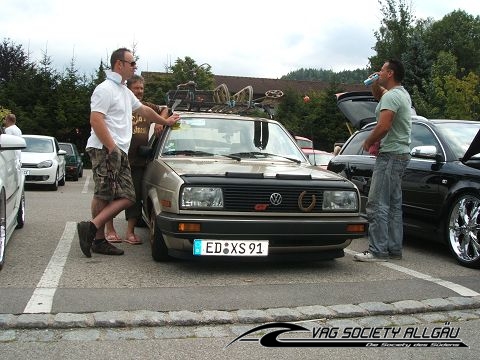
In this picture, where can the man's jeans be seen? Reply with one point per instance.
(384, 205)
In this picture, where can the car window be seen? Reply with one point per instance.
(68, 148)
(423, 136)
(355, 145)
(459, 135)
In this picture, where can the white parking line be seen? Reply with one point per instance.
(42, 298)
(459, 289)
(85, 186)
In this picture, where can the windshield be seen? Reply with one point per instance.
(38, 145)
(459, 135)
(240, 138)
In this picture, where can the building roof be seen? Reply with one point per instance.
(262, 85)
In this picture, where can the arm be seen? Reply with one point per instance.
(378, 90)
(381, 129)
(150, 114)
(97, 121)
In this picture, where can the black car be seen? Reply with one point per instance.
(441, 185)
(73, 161)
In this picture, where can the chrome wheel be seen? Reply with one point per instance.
(464, 230)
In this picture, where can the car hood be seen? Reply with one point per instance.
(35, 158)
(473, 149)
(269, 169)
(358, 107)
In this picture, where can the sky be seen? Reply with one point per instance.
(252, 38)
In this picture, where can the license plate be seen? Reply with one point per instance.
(26, 172)
(230, 248)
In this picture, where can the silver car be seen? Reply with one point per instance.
(224, 187)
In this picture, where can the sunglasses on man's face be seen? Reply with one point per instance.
(132, 63)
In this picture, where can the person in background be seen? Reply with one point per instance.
(11, 125)
(112, 104)
(11, 128)
(392, 134)
(141, 127)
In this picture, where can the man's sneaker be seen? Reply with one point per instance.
(105, 248)
(367, 256)
(395, 256)
(86, 233)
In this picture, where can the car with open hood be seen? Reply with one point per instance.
(441, 184)
(234, 187)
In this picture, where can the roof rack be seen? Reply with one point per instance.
(188, 98)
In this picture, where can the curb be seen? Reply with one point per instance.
(145, 318)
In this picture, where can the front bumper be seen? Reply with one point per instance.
(311, 237)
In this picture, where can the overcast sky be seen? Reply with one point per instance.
(255, 38)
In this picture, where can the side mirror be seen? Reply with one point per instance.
(426, 152)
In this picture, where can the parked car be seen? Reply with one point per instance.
(43, 162)
(441, 185)
(224, 186)
(318, 157)
(73, 161)
(303, 142)
(12, 195)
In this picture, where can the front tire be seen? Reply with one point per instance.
(21, 212)
(157, 243)
(54, 186)
(463, 229)
(61, 182)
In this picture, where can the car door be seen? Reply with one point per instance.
(10, 172)
(355, 164)
(423, 178)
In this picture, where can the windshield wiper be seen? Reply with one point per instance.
(255, 154)
(188, 152)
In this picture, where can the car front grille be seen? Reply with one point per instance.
(272, 199)
(29, 166)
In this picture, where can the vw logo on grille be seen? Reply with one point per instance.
(275, 199)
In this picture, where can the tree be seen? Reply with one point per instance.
(187, 70)
(395, 32)
(13, 61)
(459, 34)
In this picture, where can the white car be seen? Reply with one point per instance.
(12, 197)
(43, 162)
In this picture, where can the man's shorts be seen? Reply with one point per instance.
(105, 188)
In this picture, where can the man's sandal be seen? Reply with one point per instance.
(133, 240)
(113, 238)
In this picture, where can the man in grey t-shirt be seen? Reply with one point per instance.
(392, 133)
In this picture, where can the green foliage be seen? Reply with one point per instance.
(182, 72)
(344, 77)
(318, 119)
(459, 34)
